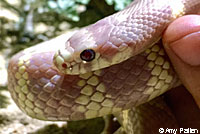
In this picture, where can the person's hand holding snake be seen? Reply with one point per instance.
(182, 44)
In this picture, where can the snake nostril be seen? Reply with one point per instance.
(64, 65)
(87, 55)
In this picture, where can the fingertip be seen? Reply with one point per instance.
(182, 44)
(181, 27)
(183, 38)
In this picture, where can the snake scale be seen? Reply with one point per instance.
(105, 68)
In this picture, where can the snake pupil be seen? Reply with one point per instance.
(87, 55)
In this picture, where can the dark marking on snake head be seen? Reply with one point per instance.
(87, 55)
(64, 65)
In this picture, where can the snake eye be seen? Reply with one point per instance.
(87, 55)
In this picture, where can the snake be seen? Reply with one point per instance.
(112, 66)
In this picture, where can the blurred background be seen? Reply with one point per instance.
(27, 22)
(24, 23)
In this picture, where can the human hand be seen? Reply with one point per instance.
(182, 44)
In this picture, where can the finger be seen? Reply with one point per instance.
(182, 44)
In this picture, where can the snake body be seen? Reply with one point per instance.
(51, 82)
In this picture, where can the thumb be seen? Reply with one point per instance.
(182, 44)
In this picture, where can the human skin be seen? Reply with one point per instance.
(182, 44)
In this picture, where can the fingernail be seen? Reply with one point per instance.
(188, 48)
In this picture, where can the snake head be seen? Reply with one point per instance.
(78, 55)
(92, 48)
